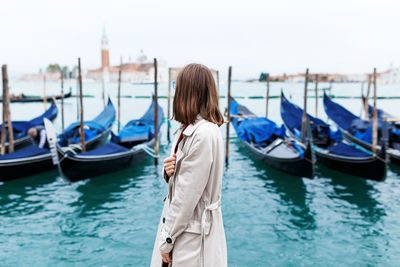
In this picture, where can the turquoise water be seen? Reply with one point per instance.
(270, 218)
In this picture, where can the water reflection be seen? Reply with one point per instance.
(292, 192)
(394, 168)
(356, 191)
(96, 192)
(22, 196)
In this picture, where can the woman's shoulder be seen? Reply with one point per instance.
(208, 130)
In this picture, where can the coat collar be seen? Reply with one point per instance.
(193, 126)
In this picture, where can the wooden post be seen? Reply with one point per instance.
(62, 100)
(304, 119)
(169, 104)
(119, 95)
(103, 94)
(366, 117)
(82, 130)
(228, 114)
(316, 95)
(374, 119)
(3, 126)
(44, 92)
(77, 99)
(6, 116)
(155, 113)
(267, 97)
(362, 99)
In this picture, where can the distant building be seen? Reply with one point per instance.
(141, 71)
(322, 77)
(50, 76)
(391, 76)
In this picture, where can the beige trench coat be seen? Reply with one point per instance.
(191, 222)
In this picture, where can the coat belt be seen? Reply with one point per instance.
(214, 206)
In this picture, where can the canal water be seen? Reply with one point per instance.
(270, 218)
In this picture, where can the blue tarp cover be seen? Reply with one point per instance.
(29, 151)
(142, 129)
(338, 114)
(92, 128)
(348, 150)
(292, 116)
(135, 129)
(290, 113)
(255, 130)
(107, 149)
(359, 128)
(21, 127)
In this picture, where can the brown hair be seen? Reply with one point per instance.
(196, 93)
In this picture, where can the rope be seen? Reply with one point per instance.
(148, 150)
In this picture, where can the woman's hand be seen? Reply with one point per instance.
(169, 165)
(166, 257)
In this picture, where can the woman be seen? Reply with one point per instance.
(191, 231)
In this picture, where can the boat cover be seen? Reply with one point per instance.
(292, 115)
(91, 128)
(349, 150)
(339, 114)
(21, 127)
(141, 129)
(29, 151)
(107, 149)
(134, 130)
(359, 128)
(254, 129)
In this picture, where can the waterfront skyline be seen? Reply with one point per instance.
(252, 36)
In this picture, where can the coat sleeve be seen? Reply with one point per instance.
(189, 186)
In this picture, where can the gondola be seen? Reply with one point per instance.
(20, 128)
(29, 99)
(330, 148)
(32, 159)
(130, 146)
(268, 143)
(97, 131)
(360, 131)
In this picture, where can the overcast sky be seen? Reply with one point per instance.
(349, 36)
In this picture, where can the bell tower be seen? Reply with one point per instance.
(105, 54)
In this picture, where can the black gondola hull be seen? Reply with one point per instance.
(83, 167)
(298, 166)
(394, 156)
(36, 99)
(13, 169)
(372, 168)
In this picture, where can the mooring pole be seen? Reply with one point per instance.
(119, 95)
(374, 119)
(155, 113)
(267, 97)
(169, 105)
(228, 115)
(316, 95)
(3, 126)
(6, 115)
(304, 119)
(62, 100)
(362, 99)
(82, 130)
(44, 92)
(366, 98)
(77, 98)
